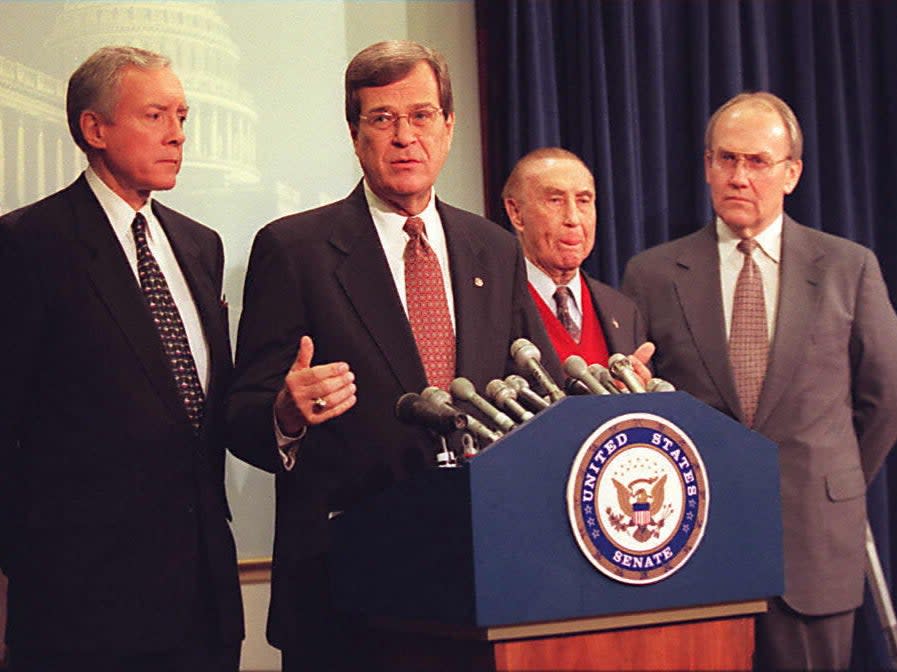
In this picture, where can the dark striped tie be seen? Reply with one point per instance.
(169, 325)
(563, 297)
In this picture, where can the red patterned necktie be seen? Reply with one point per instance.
(428, 308)
(169, 325)
(563, 297)
(749, 337)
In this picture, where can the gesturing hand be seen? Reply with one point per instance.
(313, 394)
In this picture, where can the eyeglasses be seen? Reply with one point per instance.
(754, 164)
(422, 117)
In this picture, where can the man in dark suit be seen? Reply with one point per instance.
(340, 282)
(113, 518)
(791, 332)
(550, 200)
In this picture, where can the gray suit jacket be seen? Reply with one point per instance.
(829, 399)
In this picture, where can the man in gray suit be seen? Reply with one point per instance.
(791, 333)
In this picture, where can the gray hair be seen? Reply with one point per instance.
(513, 183)
(766, 100)
(387, 62)
(94, 85)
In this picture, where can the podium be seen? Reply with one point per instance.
(481, 567)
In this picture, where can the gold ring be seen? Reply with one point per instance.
(318, 404)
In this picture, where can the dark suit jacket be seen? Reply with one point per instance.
(829, 398)
(323, 273)
(108, 501)
(621, 322)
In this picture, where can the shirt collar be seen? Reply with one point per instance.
(546, 287)
(118, 211)
(769, 241)
(385, 216)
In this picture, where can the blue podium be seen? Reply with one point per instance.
(600, 514)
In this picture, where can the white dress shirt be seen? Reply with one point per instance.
(545, 288)
(120, 216)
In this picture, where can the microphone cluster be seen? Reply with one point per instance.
(513, 401)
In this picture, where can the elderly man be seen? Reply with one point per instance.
(392, 290)
(113, 518)
(550, 199)
(791, 332)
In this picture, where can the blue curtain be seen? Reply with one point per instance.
(629, 85)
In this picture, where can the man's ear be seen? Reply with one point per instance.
(93, 129)
(513, 211)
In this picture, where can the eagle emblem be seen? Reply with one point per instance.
(641, 503)
(638, 498)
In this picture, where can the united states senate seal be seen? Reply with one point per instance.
(638, 498)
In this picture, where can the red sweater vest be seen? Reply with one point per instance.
(592, 346)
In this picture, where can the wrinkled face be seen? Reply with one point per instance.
(749, 193)
(401, 163)
(554, 216)
(140, 148)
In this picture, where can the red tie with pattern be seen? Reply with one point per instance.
(748, 337)
(428, 308)
(169, 325)
(563, 297)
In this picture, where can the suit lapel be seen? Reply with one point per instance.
(605, 305)
(114, 282)
(470, 293)
(801, 275)
(365, 277)
(700, 299)
(205, 295)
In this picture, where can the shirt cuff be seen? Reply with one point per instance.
(287, 446)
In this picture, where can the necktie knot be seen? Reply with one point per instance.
(747, 246)
(138, 226)
(414, 226)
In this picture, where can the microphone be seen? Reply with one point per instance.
(621, 368)
(527, 357)
(603, 376)
(659, 385)
(463, 389)
(575, 387)
(442, 398)
(576, 367)
(525, 394)
(506, 397)
(413, 409)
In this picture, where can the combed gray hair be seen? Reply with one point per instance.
(94, 85)
(515, 179)
(769, 101)
(383, 63)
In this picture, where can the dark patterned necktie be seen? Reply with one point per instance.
(563, 297)
(428, 308)
(169, 325)
(749, 337)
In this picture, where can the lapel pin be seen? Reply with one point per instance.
(614, 322)
(478, 282)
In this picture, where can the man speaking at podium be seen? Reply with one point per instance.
(791, 332)
(550, 199)
(385, 292)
